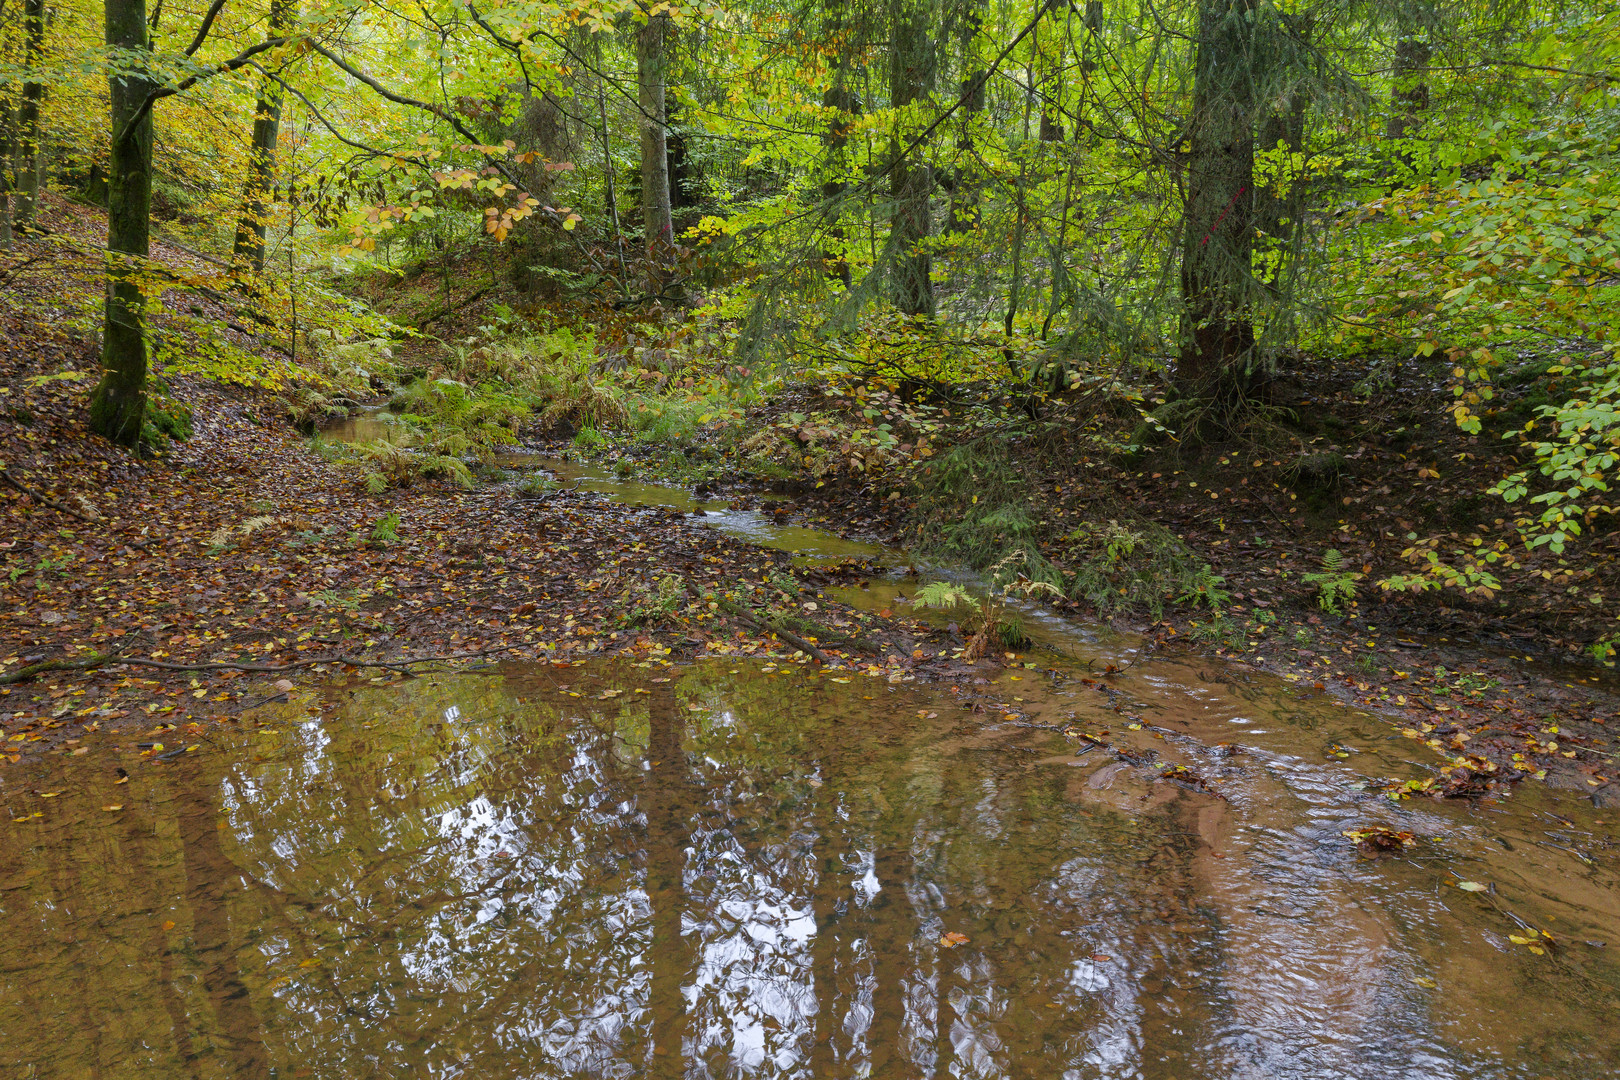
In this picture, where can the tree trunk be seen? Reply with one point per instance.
(25, 156)
(965, 194)
(844, 104)
(1051, 129)
(5, 167)
(668, 812)
(1217, 279)
(248, 249)
(1409, 92)
(656, 214)
(1278, 204)
(911, 79)
(119, 405)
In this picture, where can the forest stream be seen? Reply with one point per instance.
(1123, 865)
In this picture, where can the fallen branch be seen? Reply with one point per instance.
(106, 659)
(54, 665)
(6, 475)
(747, 615)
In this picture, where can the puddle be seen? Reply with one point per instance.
(367, 425)
(737, 870)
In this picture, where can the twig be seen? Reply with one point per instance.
(805, 646)
(6, 475)
(103, 660)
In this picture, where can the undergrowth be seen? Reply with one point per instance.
(973, 507)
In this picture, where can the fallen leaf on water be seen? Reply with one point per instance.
(1470, 886)
(168, 924)
(1427, 984)
(952, 939)
(284, 685)
(1100, 958)
(113, 806)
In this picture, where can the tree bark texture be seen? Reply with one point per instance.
(843, 104)
(1217, 278)
(911, 79)
(965, 193)
(1278, 205)
(25, 153)
(119, 405)
(248, 250)
(656, 213)
(1409, 94)
(5, 173)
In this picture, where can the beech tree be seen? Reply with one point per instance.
(248, 248)
(119, 405)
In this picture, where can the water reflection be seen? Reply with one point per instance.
(616, 872)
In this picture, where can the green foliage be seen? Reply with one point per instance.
(457, 420)
(1335, 585)
(386, 529)
(384, 466)
(654, 606)
(1467, 570)
(167, 419)
(1577, 448)
(946, 595)
(46, 565)
(973, 508)
(1140, 566)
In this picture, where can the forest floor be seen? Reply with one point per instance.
(155, 595)
(189, 584)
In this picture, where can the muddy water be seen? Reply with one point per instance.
(739, 869)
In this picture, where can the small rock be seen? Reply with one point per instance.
(1607, 797)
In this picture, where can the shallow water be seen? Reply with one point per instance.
(755, 526)
(367, 425)
(746, 869)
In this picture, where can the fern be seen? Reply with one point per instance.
(942, 594)
(1334, 584)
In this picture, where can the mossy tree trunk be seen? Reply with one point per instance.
(119, 405)
(248, 249)
(1217, 276)
(25, 152)
(656, 213)
(911, 79)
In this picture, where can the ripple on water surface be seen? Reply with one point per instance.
(742, 870)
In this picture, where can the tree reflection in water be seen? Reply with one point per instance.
(681, 873)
